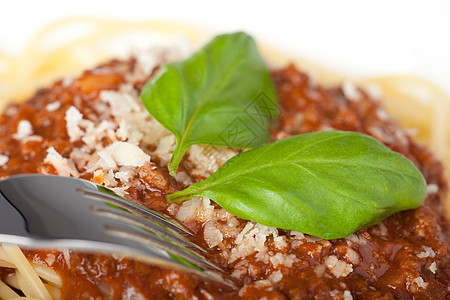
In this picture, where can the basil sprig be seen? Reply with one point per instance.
(222, 95)
(327, 184)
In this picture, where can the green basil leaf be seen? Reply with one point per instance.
(327, 184)
(222, 95)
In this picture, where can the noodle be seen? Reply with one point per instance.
(11, 280)
(25, 286)
(41, 62)
(34, 280)
(54, 291)
(24, 278)
(6, 292)
(31, 285)
(5, 264)
(48, 274)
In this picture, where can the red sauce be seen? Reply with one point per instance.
(388, 261)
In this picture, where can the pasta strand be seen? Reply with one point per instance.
(26, 270)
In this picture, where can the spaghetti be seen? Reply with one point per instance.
(35, 281)
(44, 60)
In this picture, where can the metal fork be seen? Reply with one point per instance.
(43, 211)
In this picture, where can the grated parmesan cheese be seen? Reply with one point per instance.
(350, 91)
(123, 154)
(123, 131)
(433, 268)
(109, 179)
(260, 284)
(63, 166)
(275, 276)
(132, 293)
(277, 259)
(124, 175)
(206, 159)
(420, 282)
(432, 188)
(94, 134)
(3, 160)
(66, 255)
(147, 61)
(334, 293)
(50, 259)
(188, 209)
(253, 239)
(352, 256)
(319, 270)
(338, 267)
(211, 234)
(383, 228)
(428, 252)
(123, 102)
(298, 235)
(280, 242)
(53, 106)
(73, 118)
(356, 239)
(348, 295)
(24, 129)
(166, 145)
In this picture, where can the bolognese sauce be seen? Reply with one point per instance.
(62, 129)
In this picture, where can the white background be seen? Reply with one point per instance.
(358, 38)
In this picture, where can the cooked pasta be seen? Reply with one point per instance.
(35, 281)
(44, 60)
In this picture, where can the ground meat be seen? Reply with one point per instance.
(405, 256)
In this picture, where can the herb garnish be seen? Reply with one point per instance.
(197, 99)
(328, 184)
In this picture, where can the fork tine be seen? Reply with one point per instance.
(61, 215)
(149, 240)
(146, 213)
(147, 225)
(155, 230)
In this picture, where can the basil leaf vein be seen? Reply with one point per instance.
(222, 95)
(328, 184)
